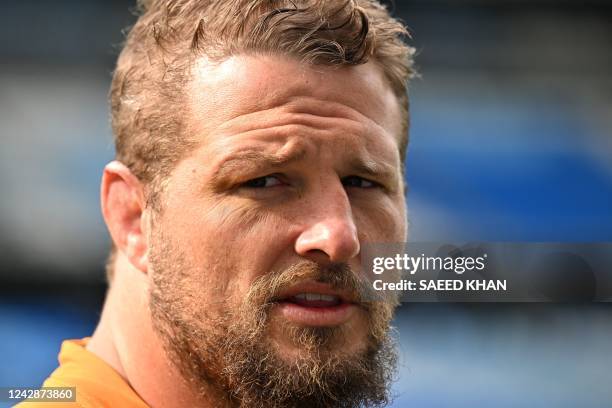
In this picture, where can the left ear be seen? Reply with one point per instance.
(123, 207)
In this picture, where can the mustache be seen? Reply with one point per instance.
(339, 276)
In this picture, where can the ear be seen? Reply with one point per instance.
(123, 207)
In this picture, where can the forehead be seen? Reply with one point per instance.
(223, 93)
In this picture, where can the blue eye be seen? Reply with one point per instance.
(263, 182)
(358, 182)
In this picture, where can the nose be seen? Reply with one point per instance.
(331, 235)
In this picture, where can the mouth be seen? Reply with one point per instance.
(315, 304)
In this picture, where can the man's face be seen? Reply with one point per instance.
(256, 280)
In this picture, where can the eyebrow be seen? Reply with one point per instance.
(370, 168)
(252, 160)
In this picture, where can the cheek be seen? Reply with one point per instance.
(383, 222)
(233, 244)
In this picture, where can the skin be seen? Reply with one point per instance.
(292, 162)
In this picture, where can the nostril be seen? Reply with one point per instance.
(333, 239)
(318, 256)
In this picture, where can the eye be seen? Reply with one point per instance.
(358, 182)
(263, 182)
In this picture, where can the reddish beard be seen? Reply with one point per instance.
(234, 354)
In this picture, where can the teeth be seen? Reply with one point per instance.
(316, 296)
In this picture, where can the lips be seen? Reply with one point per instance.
(315, 300)
(315, 304)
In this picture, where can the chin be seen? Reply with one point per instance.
(294, 342)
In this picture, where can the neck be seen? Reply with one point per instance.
(126, 340)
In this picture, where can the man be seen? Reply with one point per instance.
(259, 146)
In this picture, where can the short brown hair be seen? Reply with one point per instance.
(148, 87)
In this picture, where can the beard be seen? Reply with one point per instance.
(231, 351)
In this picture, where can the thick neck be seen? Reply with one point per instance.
(125, 339)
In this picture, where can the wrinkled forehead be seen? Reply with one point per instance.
(239, 85)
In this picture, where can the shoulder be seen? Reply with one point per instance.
(96, 384)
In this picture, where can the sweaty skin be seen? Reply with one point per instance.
(292, 162)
